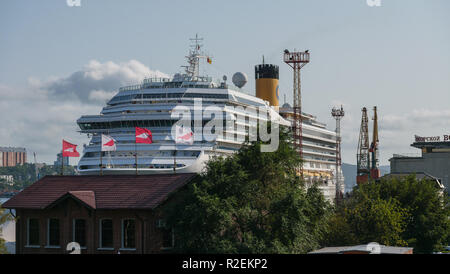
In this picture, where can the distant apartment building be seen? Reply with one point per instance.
(434, 159)
(59, 158)
(12, 156)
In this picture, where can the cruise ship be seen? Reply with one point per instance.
(319, 153)
(151, 104)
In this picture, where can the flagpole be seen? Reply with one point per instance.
(101, 161)
(175, 158)
(62, 163)
(135, 155)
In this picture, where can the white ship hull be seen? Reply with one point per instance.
(196, 166)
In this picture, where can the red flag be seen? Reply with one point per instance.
(143, 135)
(69, 150)
(183, 135)
(108, 143)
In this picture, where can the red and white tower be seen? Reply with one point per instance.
(297, 60)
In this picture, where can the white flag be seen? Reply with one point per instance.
(108, 143)
(183, 135)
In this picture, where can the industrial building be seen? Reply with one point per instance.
(12, 156)
(434, 159)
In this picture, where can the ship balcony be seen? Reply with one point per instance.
(120, 161)
(322, 154)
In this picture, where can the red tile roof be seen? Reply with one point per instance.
(101, 192)
(85, 197)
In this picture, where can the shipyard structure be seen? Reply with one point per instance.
(150, 105)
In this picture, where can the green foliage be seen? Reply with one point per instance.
(378, 221)
(3, 219)
(24, 175)
(3, 249)
(250, 202)
(402, 212)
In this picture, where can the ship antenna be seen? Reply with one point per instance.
(193, 58)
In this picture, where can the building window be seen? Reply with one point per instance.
(79, 232)
(53, 232)
(33, 232)
(128, 233)
(106, 233)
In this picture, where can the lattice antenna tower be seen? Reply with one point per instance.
(297, 60)
(337, 115)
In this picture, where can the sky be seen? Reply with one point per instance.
(58, 62)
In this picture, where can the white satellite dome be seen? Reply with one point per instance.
(239, 79)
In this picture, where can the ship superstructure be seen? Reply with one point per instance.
(319, 153)
(151, 104)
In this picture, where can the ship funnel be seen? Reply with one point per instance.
(267, 76)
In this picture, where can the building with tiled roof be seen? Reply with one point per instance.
(101, 214)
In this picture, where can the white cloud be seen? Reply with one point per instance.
(101, 95)
(94, 77)
(44, 112)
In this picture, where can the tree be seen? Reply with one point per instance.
(249, 202)
(24, 175)
(3, 219)
(394, 211)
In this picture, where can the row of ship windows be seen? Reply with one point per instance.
(155, 166)
(177, 85)
(319, 144)
(170, 166)
(166, 153)
(317, 165)
(168, 95)
(318, 134)
(319, 159)
(175, 98)
(319, 151)
(146, 123)
(130, 124)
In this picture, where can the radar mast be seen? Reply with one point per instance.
(193, 59)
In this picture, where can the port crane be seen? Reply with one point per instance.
(367, 157)
(363, 156)
(374, 168)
